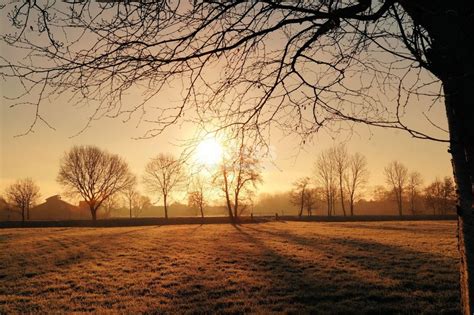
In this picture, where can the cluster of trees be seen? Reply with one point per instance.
(104, 181)
(338, 175)
(340, 178)
(99, 178)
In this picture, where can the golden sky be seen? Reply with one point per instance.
(37, 154)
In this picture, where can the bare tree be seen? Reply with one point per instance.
(164, 173)
(197, 197)
(23, 194)
(110, 205)
(298, 193)
(141, 203)
(238, 175)
(432, 194)
(326, 177)
(310, 200)
(396, 175)
(340, 159)
(98, 51)
(131, 194)
(196, 201)
(94, 175)
(356, 178)
(440, 196)
(449, 195)
(414, 183)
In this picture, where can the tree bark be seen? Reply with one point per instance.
(460, 120)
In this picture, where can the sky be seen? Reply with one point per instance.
(38, 153)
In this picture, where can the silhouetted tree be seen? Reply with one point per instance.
(94, 175)
(326, 177)
(356, 178)
(131, 194)
(197, 196)
(23, 194)
(164, 173)
(238, 174)
(341, 163)
(440, 196)
(327, 56)
(298, 193)
(396, 175)
(310, 200)
(141, 203)
(414, 183)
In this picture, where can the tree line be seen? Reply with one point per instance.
(98, 177)
(341, 177)
(338, 183)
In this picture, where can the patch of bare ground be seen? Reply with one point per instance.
(292, 267)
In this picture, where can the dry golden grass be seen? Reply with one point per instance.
(297, 267)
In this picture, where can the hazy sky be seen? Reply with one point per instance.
(37, 154)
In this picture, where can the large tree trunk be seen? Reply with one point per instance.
(459, 109)
(449, 25)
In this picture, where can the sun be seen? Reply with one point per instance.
(209, 152)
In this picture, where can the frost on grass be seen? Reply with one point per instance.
(390, 267)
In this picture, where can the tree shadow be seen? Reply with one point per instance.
(361, 274)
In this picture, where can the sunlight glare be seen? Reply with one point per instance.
(209, 152)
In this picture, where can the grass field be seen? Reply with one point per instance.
(278, 267)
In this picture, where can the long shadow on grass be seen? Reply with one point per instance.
(413, 280)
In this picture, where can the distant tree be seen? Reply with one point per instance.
(196, 201)
(341, 162)
(164, 173)
(111, 204)
(238, 175)
(94, 175)
(197, 195)
(432, 196)
(396, 175)
(440, 196)
(449, 195)
(131, 194)
(23, 194)
(326, 176)
(310, 200)
(141, 203)
(356, 177)
(414, 183)
(380, 193)
(298, 196)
